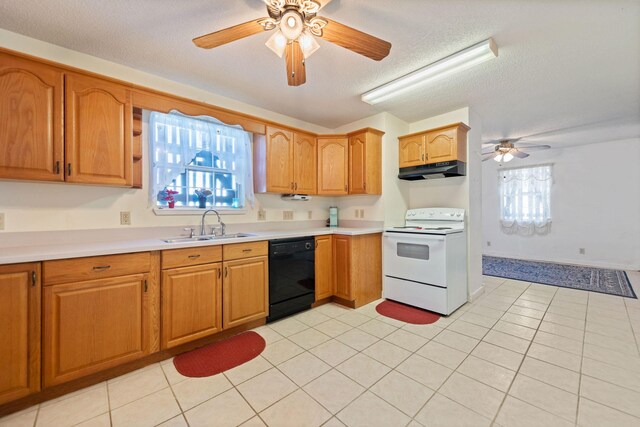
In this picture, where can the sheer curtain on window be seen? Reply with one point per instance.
(175, 139)
(525, 200)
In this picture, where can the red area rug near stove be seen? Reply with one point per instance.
(220, 356)
(406, 313)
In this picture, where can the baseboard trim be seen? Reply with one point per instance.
(477, 294)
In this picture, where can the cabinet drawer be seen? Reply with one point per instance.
(98, 267)
(191, 256)
(245, 250)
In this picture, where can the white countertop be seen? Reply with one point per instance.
(38, 251)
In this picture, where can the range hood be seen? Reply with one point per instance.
(434, 170)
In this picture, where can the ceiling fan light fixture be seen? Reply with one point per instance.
(277, 43)
(291, 25)
(498, 158)
(507, 157)
(308, 43)
(445, 67)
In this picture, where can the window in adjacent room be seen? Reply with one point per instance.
(198, 162)
(525, 199)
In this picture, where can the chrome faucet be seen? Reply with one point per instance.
(223, 227)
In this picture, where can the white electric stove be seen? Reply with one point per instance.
(425, 261)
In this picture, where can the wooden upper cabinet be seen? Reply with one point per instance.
(279, 160)
(31, 120)
(365, 162)
(305, 163)
(333, 166)
(98, 124)
(19, 331)
(412, 151)
(446, 143)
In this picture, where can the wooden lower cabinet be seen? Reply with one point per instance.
(19, 331)
(357, 273)
(245, 291)
(324, 267)
(191, 303)
(94, 325)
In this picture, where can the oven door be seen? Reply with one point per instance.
(416, 257)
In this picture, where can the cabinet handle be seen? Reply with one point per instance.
(146, 286)
(33, 278)
(58, 167)
(427, 156)
(247, 250)
(345, 187)
(423, 157)
(194, 256)
(296, 187)
(364, 186)
(101, 267)
(68, 169)
(219, 272)
(226, 271)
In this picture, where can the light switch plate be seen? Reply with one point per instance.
(287, 215)
(1, 220)
(262, 215)
(310, 214)
(125, 218)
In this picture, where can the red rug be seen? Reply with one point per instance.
(406, 313)
(220, 356)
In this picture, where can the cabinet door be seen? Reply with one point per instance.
(94, 325)
(358, 164)
(245, 291)
(31, 120)
(305, 163)
(412, 151)
(324, 267)
(98, 120)
(279, 161)
(19, 331)
(191, 303)
(442, 145)
(333, 166)
(342, 267)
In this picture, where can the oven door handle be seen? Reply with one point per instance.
(413, 238)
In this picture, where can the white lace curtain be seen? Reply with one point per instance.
(525, 200)
(175, 139)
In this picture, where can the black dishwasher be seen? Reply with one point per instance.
(292, 276)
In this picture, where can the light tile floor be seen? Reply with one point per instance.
(521, 355)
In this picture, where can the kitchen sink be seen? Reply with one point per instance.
(206, 238)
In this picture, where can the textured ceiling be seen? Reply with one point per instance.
(567, 70)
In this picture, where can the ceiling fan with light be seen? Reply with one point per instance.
(507, 149)
(296, 24)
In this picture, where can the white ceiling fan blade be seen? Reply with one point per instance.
(519, 154)
(533, 147)
(498, 141)
(488, 157)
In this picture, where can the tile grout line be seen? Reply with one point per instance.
(584, 336)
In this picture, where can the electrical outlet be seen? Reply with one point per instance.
(125, 218)
(287, 215)
(581, 251)
(361, 213)
(262, 215)
(1, 220)
(310, 214)
(357, 213)
(488, 243)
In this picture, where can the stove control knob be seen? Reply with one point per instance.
(458, 214)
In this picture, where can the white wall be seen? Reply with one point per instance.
(33, 206)
(595, 205)
(457, 192)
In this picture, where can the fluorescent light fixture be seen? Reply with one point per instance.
(462, 60)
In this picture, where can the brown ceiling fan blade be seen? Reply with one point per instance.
(229, 35)
(355, 40)
(296, 69)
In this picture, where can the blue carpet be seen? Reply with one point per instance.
(612, 282)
